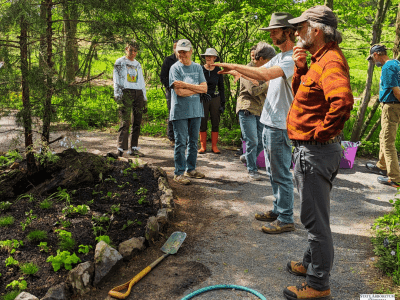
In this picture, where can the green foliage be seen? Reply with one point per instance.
(29, 268)
(79, 209)
(46, 157)
(63, 258)
(43, 247)
(37, 235)
(110, 178)
(130, 222)
(10, 245)
(10, 261)
(121, 186)
(28, 196)
(104, 238)
(6, 221)
(11, 295)
(46, 204)
(386, 241)
(9, 158)
(29, 218)
(18, 285)
(84, 249)
(66, 242)
(115, 208)
(62, 195)
(5, 205)
(142, 191)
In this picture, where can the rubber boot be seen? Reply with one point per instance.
(214, 140)
(203, 142)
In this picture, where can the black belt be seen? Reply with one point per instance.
(391, 102)
(331, 141)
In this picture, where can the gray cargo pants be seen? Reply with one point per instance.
(316, 166)
(130, 111)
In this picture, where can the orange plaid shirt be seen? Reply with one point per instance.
(323, 97)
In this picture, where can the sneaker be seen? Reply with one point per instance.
(296, 268)
(374, 169)
(385, 180)
(239, 152)
(194, 174)
(305, 292)
(243, 158)
(268, 216)
(278, 227)
(181, 179)
(254, 175)
(115, 155)
(136, 153)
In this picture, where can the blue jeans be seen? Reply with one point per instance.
(252, 134)
(185, 130)
(278, 157)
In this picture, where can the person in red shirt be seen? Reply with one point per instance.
(322, 104)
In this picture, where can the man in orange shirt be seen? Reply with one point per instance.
(322, 104)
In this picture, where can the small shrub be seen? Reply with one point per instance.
(10, 245)
(104, 238)
(37, 236)
(66, 242)
(6, 221)
(11, 295)
(46, 204)
(84, 249)
(63, 258)
(29, 268)
(43, 247)
(10, 261)
(29, 218)
(5, 205)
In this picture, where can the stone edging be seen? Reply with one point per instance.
(84, 276)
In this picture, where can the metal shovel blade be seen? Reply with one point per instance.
(172, 245)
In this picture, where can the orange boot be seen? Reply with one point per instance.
(203, 142)
(214, 140)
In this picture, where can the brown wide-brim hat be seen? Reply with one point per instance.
(279, 20)
(320, 14)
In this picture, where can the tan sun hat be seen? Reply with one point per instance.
(210, 52)
(279, 20)
(184, 45)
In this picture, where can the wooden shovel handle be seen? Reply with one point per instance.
(115, 292)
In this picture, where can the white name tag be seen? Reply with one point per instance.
(377, 297)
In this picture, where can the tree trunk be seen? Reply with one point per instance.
(329, 3)
(396, 48)
(26, 110)
(49, 76)
(367, 138)
(369, 117)
(376, 36)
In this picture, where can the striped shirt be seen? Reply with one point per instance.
(323, 97)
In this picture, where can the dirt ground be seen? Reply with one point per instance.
(224, 243)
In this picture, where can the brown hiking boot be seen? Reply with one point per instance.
(268, 216)
(181, 179)
(194, 174)
(305, 292)
(296, 268)
(278, 227)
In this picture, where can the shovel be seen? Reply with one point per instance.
(171, 246)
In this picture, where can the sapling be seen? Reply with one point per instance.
(29, 218)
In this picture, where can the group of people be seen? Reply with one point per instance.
(284, 103)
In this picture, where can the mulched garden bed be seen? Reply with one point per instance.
(121, 196)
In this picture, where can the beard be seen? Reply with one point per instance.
(307, 42)
(281, 40)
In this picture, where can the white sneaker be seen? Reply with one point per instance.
(243, 158)
(254, 175)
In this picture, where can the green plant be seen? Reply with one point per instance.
(29, 268)
(37, 235)
(104, 238)
(84, 249)
(129, 223)
(63, 258)
(80, 209)
(135, 163)
(115, 208)
(46, 157)
(110, 178)
(18, 285)
(141, 191)
(121, 186)
(9, 158)
(43, 247)
(10, 245)
(6, 221)
(11, 295)
(10, 261)
(5, 205)
(90, 202)
(62, 195)
(95, 193)
(28, 196)
(142, 200)
(29, 218)
(66, 242)
(46, 204)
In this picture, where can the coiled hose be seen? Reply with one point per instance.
(223, 286)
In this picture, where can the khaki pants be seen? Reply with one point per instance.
(388, 160)
(130, 112)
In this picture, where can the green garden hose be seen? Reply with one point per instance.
(223, 286)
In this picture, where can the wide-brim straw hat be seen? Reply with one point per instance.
(211, 52)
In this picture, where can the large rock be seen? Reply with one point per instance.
(152, 229)
(130, 247)
(105, 258)
(163, 217)
(58, 292)
(26, 296)
(81, 277)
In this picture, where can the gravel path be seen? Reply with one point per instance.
(223, 236)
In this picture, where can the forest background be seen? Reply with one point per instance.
(59, 57)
